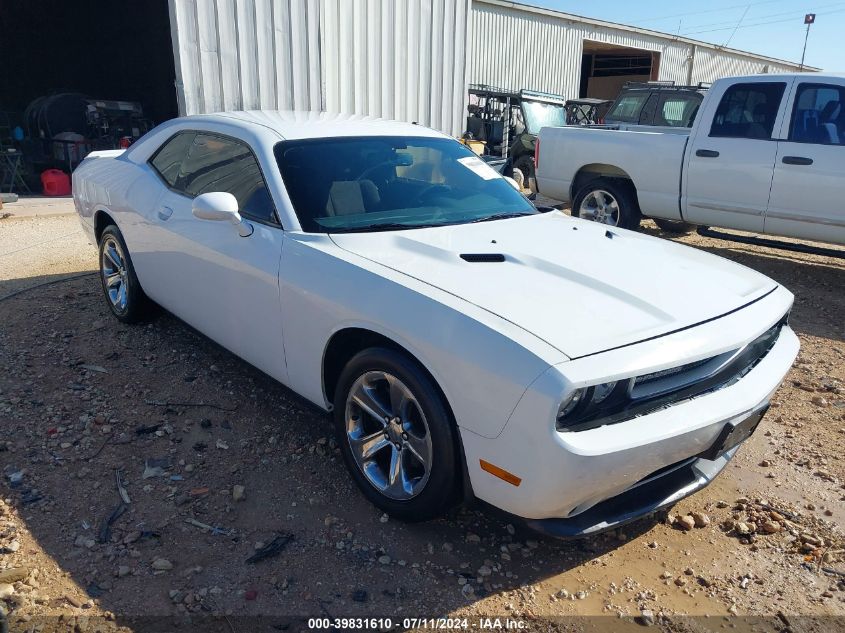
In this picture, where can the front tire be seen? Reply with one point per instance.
(608, 201)
(123, 293)
(396, 435)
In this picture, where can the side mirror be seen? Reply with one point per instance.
(220, 206)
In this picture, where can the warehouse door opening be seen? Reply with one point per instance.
(111, 62)
(605, 68)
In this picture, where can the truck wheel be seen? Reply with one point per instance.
(608, 201)
(674, 226)
(525, 164)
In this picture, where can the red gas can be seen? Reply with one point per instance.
(55, 182)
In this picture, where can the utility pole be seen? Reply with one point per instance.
(809, 20)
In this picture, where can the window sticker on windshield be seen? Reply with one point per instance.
(479, 167)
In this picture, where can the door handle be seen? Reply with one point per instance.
(707, 153)
(797, 160)
(164, 213)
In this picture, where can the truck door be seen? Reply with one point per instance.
(808, 190)
(731, 158)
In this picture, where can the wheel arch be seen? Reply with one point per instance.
(102, 219)
(344, 343)
(594, 171)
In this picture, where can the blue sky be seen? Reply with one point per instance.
(768, 27)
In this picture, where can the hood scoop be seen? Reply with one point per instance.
(483, 258)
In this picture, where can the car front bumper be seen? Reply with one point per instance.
(577, 483)
(646, 498)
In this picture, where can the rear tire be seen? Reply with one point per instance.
(396, 435)
(525, 164)
(674, 226)
(610, 201)
(121, 289)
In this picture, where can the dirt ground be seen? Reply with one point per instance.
(88, 406)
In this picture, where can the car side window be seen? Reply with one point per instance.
(677, 110)
(627, 108)
(168, 159)
(647, 113)
(818, 115)
(748, 111)
(216, 163)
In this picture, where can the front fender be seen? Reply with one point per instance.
(482, 363)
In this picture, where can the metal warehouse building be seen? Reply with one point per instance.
(405, 59)
(517, 46)
(413, 59)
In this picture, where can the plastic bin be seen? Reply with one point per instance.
(55, 182)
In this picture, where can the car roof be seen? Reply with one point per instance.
(305, 124)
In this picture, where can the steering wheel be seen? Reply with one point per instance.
(364, 175)
(433, 188)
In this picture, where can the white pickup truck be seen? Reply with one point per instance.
(766, 154)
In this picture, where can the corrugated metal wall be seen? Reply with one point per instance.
(513, 47)
(398, 59)
(711, 64)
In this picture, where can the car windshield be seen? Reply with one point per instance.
(380, 183)
(539, 114)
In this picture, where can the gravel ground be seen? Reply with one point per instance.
(88, 406)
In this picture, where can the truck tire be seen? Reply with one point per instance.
(525, 164)
(610, 201)
(674, 226)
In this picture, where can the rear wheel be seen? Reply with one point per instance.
(525, 164)
(608, 201)
(396, 435)
(123, 293)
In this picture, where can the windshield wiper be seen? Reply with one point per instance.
(388, 226)
(500, 216)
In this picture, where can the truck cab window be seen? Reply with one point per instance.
(819, 115)
(748, 111)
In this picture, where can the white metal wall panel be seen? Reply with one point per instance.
(711, 65)
(513, 46)
(398, 59)
(401, 59)
(246, 54)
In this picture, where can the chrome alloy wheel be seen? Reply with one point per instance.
(600, 206)
(115, 275)
(388, 434)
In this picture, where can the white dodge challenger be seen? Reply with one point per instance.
(468, 345)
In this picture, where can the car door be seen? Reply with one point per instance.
(808, 190)
(730, 159)
(224, 285)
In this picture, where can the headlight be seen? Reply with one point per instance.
(602, 391)
(570, 404)
(583, 402)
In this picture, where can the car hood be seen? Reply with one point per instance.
(580, 286)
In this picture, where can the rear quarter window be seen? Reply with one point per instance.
(167, 161)
(627, 107)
